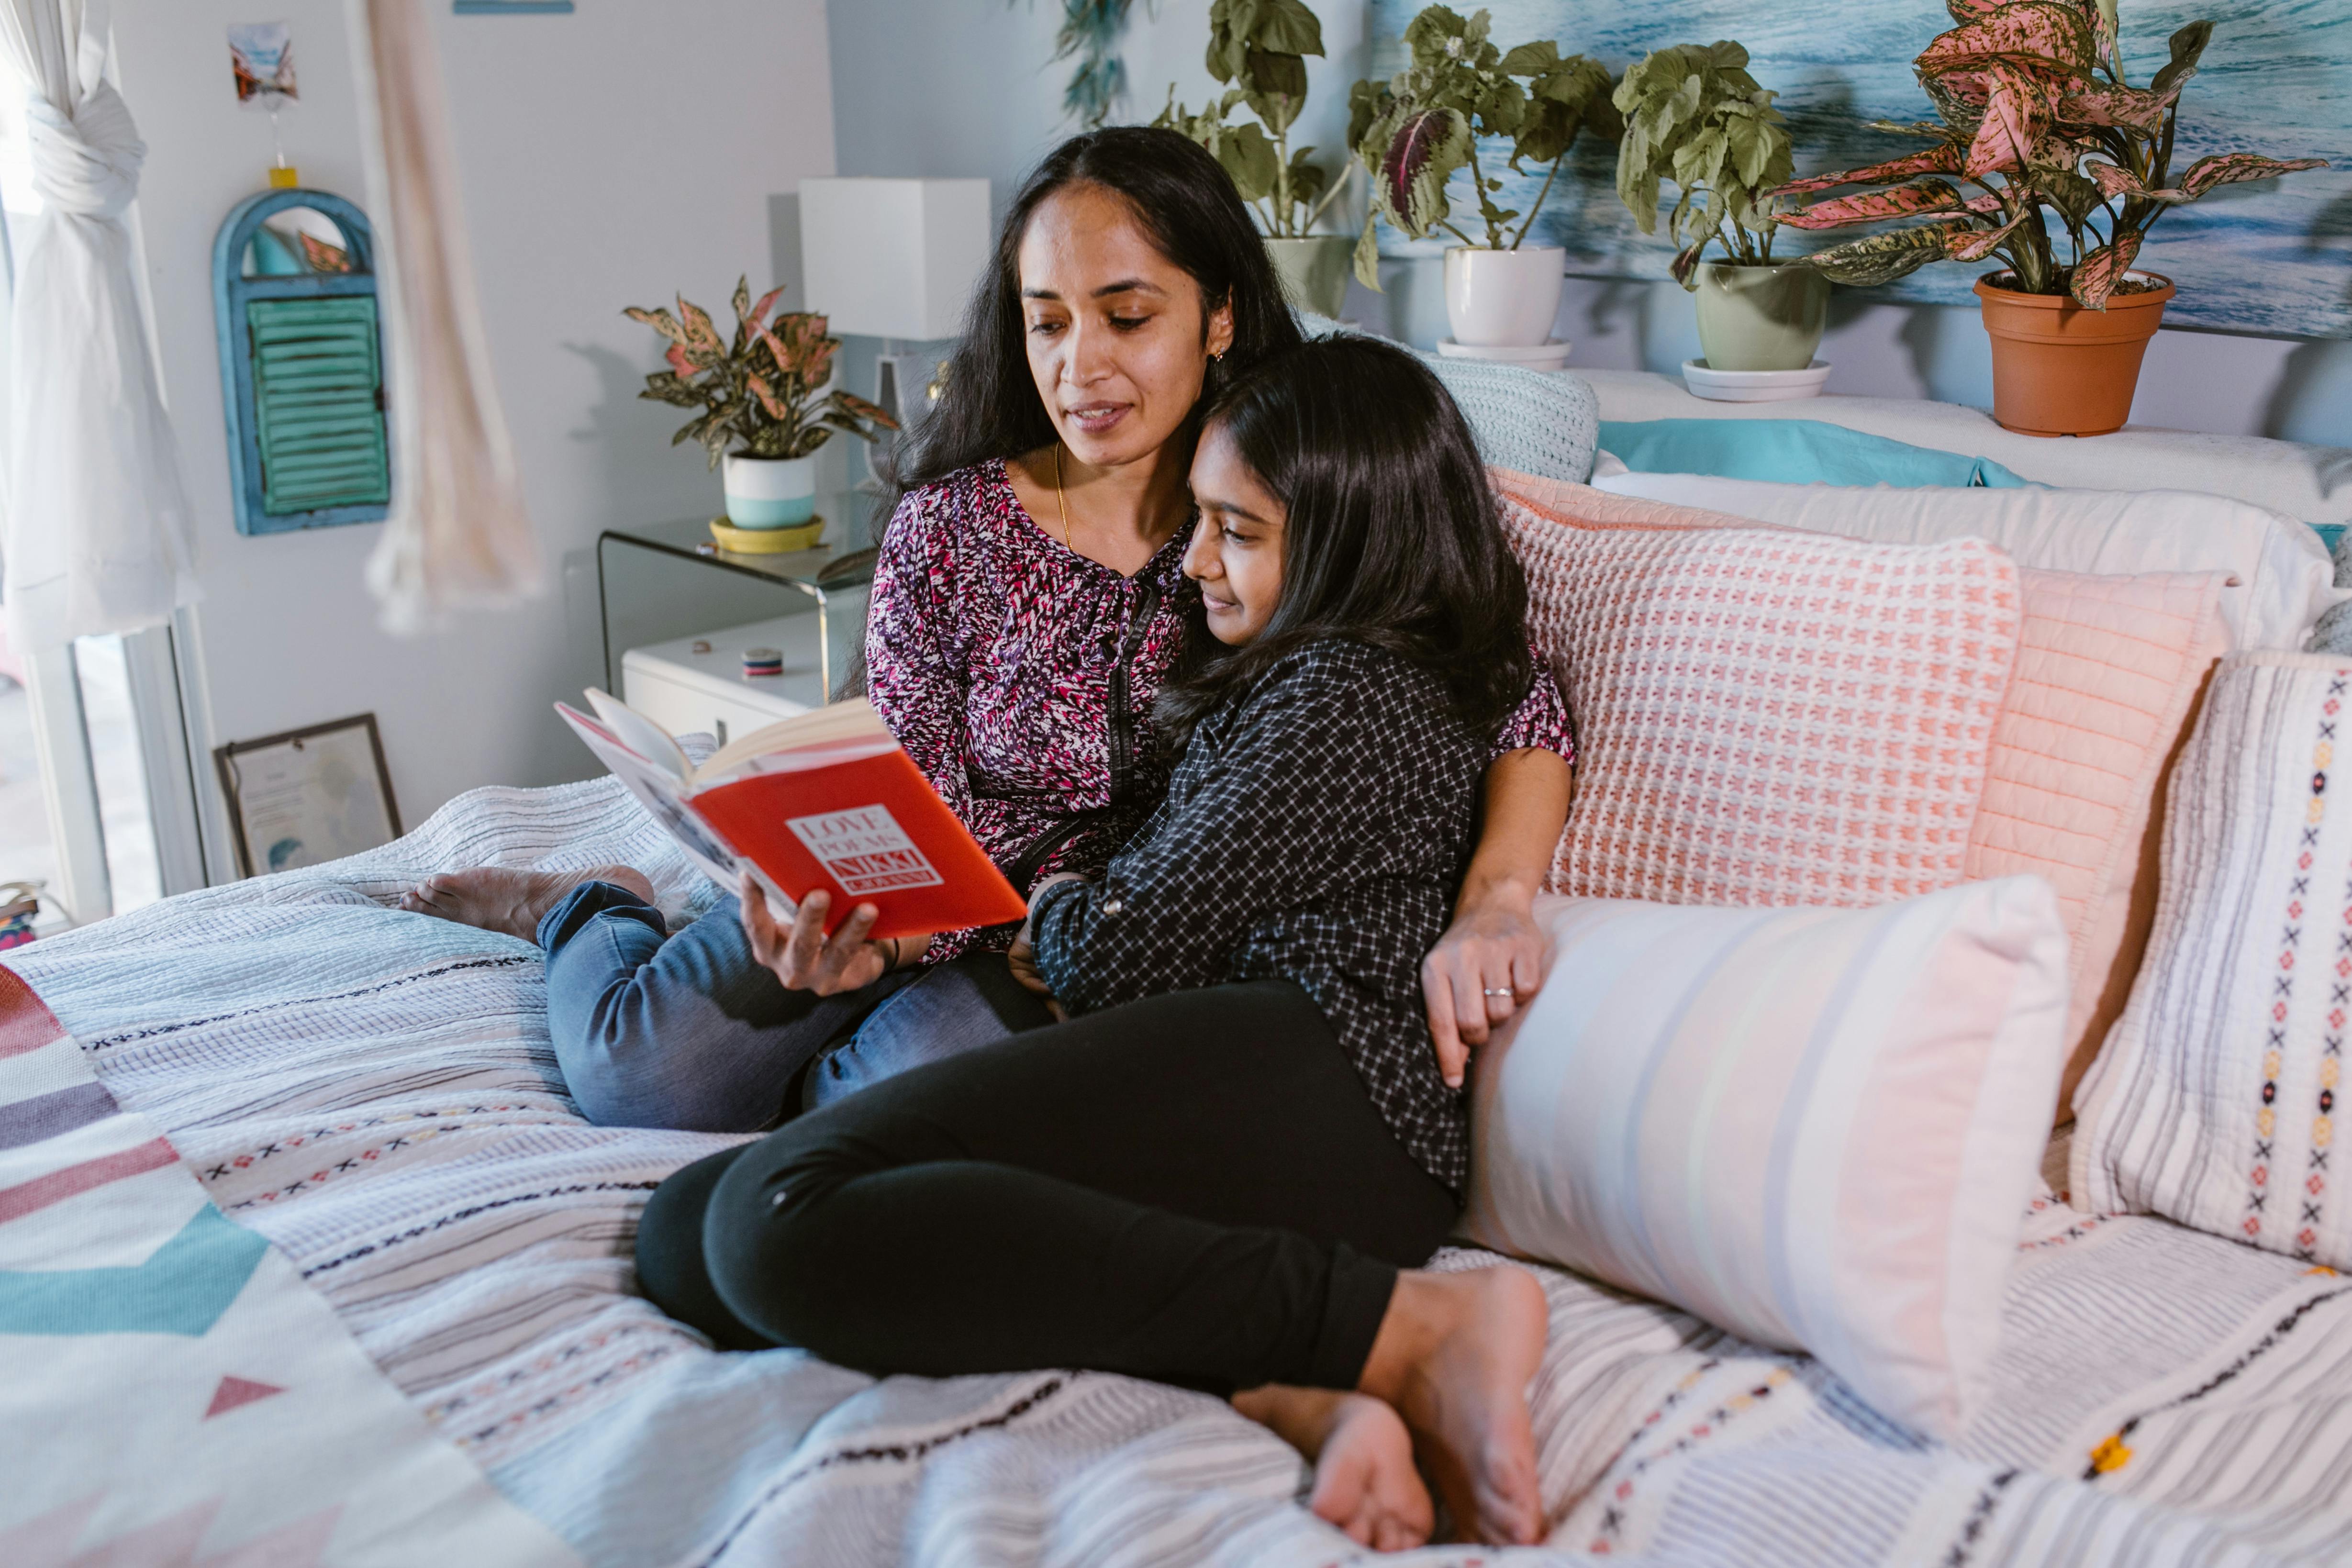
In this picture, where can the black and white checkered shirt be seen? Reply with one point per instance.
(1316, 831)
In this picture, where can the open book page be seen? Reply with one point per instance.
(824, 800)
(836, 732)
(641, 734)
(663, 794)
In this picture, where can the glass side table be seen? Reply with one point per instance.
(660, 581)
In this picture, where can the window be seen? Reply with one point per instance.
(75, 816)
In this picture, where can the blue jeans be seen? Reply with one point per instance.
(692, 1031)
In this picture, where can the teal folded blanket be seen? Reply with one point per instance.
(1792, 452)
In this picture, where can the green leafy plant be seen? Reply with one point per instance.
(763, 393)
(1414, 133)
(1090, 34)
(1260, 49)
(2036, 113)
(1695, 116)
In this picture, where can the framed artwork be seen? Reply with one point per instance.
(2270, 257)
(308, 796)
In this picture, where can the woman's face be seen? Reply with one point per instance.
(1236, 550)
(1116, 342)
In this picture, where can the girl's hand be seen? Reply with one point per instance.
(1022, 958)
(1487, 966)
(1023, 955)
(801, 955)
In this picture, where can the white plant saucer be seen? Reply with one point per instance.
(1550, 356)
(1754, 386)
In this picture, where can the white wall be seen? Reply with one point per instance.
(609, 158)
(982, 99)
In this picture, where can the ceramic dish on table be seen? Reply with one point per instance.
(1754, 386)
(1550, 356)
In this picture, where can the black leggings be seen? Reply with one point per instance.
(1194, 1188)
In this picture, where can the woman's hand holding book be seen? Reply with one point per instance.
(802, 957)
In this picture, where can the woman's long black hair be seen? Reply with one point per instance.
(1392, 537)
(1186, 204)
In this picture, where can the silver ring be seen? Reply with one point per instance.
(1506, 991)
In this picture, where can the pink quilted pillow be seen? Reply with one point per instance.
(2109, 672)
(1763, 717)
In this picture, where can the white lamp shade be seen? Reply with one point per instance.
(893, 258)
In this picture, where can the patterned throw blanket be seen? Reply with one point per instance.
(374, 1093)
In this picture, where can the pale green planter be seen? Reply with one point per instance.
(1314, 271)
(1760, 317)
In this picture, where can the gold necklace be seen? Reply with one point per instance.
(1062, 501)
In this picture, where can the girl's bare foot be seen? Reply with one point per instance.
(1453, 1356)
(496, 898)
(1364, 1480)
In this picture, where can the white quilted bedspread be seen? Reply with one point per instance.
(373, 1091)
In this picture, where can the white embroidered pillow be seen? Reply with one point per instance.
(2213, 1102)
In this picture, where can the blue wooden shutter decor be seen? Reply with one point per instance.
(301, 376)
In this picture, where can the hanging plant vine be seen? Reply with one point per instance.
(1091, 33)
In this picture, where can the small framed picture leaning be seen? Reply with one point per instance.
(308, 796)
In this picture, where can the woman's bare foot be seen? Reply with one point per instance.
(1364, 1480)
(1453, 1356)
(498, 899)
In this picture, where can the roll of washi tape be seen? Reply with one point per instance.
(763, 662)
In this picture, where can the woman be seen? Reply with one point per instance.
(1026, 607)
(1226, 1169)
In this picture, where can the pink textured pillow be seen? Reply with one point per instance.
(1763, 717)
(2109, 672)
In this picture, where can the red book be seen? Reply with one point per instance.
(824, 800)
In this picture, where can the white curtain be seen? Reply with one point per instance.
(458, 536)
(97, 526)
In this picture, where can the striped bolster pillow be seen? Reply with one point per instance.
(1816, 1128)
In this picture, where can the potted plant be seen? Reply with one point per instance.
(1260, 47)
(1695, 116)
(1414, 133)
(2035, 112)
(765, 407)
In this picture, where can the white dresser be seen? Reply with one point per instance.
(686, 692)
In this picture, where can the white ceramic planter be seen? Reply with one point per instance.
(1504, 298)
(771, 492)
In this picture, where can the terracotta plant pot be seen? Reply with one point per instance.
(2060, 370)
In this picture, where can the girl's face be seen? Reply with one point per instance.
(1237, 547)
(1117, 339)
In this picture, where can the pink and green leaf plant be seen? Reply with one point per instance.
(2036, 113)
(1414, 131)
(763, 393)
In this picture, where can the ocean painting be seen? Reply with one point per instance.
(2274, 257)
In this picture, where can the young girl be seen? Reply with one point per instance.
(1026, 607)
(1224, 1168)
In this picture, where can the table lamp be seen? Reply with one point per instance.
(894, 259)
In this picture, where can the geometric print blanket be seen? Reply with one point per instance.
(373, 1094)
(174, 1393)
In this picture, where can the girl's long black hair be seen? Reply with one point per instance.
(990, 407)
(1392, 537)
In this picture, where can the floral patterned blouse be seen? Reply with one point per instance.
(1019, 675)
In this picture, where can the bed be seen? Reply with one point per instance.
(372, 1092)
